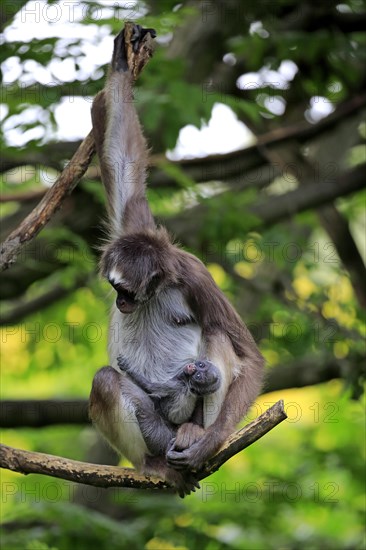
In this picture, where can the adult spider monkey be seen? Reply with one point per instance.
(168, 311)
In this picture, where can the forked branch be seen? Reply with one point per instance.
(27, 462)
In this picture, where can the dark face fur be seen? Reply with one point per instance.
(126, 301)
(135, 267)
(203, 377)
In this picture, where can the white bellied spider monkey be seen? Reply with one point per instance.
(168, 313)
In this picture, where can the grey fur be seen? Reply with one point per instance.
(177, 397)
(168, 312)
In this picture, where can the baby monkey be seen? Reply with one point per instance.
(182, 392)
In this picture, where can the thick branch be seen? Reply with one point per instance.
(26, 462)
(53, 154)
(311, 196)
(337, 227)
(274, 208)
(245, 437)
(38, 413)
(33, 413)
(24, 307)
(304, 372)
(212, 167)
(26, 196)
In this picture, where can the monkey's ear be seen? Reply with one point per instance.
(153, 282)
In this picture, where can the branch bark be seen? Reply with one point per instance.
(214, 167)
(337, 227)
(27, 462)
(219, 166)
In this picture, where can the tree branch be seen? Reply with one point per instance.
(35, 413)
(309, 371)
(26, 196)
(23, 307)
(274, 208)
(70, 176)
(212, 167)
(51, 202)
(27, 462)
(337, 227)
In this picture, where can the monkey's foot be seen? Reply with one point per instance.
(183, 482)
(138, 35)
(191, 459)
(133, 47)
(187, 434)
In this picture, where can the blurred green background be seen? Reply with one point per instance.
(279, 88)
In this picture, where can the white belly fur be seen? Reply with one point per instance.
(161, 351)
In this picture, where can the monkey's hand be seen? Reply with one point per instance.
(196, 455)
(187, 435)
(132, 48)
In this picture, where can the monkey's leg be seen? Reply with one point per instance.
(189, 432)
(130, 425)
(155, 431)
(120, 63)
(126, 416)
(234, 402)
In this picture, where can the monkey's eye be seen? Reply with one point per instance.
(200, 365)
(119, 288)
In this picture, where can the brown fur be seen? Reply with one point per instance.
(150, 264)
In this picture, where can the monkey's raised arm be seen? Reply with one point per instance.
(120, 143)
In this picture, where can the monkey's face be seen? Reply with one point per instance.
(135, 266)
(203, 377)
(130, 297)
(126, 301)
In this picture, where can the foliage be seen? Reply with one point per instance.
(300, 488)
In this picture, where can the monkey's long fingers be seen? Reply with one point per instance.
(190, 485)
(172, 445)
(195, 483)
(178, 460)
(139, 46)
(119, 58)
(138, 35)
